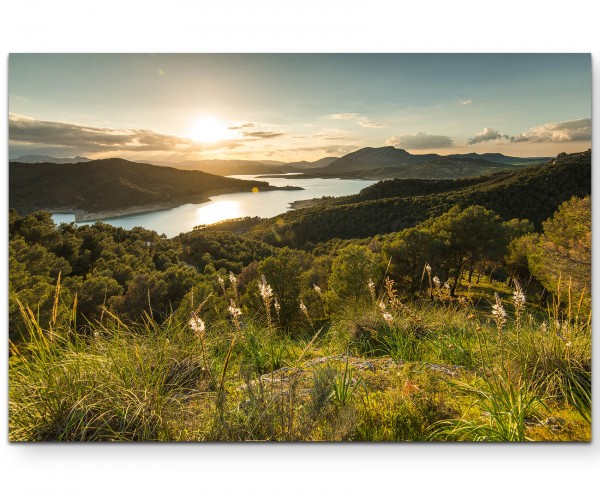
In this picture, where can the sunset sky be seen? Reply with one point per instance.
(293, 107)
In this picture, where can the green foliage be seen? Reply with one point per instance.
(283, 273)
(351, 271)
(564, 250)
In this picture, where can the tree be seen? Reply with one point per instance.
(408, 252)
(284, 272)
(564, 250)
(470, 235)
(351, 271)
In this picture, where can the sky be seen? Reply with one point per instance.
(291, 107)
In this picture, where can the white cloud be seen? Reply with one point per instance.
(420, 140)
(567, 131)
(465, 102)
(488, 134)
(340, 116)
(365, 122)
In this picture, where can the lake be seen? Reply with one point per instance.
(174, 221)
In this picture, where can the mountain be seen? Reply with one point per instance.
(112, 185)
(532, 192)
(371, 158)
(229, 167)
(41, 158)
(302, 165)
(390, 162)
(270, 162)
(501, 158)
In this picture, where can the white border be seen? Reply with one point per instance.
(308, 26)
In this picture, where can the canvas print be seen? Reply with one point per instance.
(299, 247)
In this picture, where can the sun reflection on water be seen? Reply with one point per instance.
(218, 211)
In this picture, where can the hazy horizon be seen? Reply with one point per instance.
(293, 107)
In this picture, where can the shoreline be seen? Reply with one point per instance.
(81, 215)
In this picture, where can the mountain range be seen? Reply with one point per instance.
(367, 163)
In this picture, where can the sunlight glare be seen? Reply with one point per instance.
(208, 129)
(218, 211)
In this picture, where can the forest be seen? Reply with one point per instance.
(434, 310)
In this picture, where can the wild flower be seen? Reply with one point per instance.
(317, 289)
(384, 313)
(372, 289)
(437, 282)
(197, 325)
(519, 302)
(233, 281)
(447, 286)
(277, 306)
(236, 313)
(499, 313)
(222, 283)
(304, 310)
(428, 268)
(266, 292)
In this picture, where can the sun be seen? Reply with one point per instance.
(209, 129)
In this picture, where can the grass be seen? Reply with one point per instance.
(402, 371)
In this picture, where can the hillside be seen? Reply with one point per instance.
(113, 184)
(390, 162)
(42, 158)
(533, 193)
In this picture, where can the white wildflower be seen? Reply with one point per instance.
(197, 325)
(277, 306)
(234, 311)
(222, 283)
(317, 289)
(428, 268)
(499, 312)
(388, 317)
(266, 291)
(372, 289)
(518, 296)
(436, 282)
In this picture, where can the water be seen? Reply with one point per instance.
(184, 218)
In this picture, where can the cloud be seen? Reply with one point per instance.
(339, 116)
(246, 125)
(334, 149)
(365, 122)
(420, 140)
(568, 131)
(488, 134)
(91, 139)
(262, 134)
(465, 102)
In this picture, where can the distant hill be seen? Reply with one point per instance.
(41, 158)
(113, 184)
(302, 165)
(390, 162)
(270, 162)
(532, 192)
(501, 158)
(229, 167)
